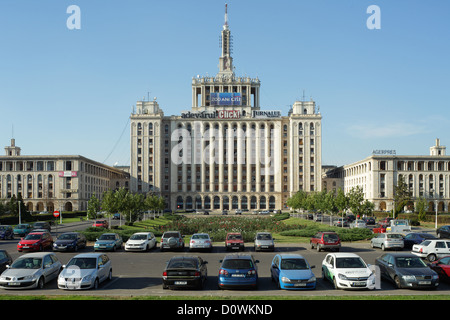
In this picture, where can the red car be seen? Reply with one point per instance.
(234, 241)
(442, 267)
(100, 224)
(35, 241)
(325, 240)
(379, 229)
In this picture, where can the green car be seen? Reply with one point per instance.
(21, 230)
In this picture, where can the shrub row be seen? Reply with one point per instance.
(344, 234)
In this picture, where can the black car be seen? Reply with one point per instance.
(443, 232)
(42, 225)
(6, 232)
(406, 271)
(415, 238)
(185, 272)
(5, 259)
(70, 241)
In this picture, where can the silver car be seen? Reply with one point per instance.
(32, 270)
(200, 241)
(388, 241)
(264, 241)
(85, 271)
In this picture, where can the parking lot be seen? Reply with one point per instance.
(139, 273)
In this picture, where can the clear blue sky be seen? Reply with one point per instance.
(72, 91)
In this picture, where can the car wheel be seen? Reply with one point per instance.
(318, 248)
(312, 245)
(41, 283)
(110, 275)
(75, 248)
(96, 284)
(397, 282)
(383, 247)
(371, 244)
(335, 283)
(431, 257)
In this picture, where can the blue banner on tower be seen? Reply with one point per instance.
(226, 99)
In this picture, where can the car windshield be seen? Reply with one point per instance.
(183, 264)
(293, 264)
(410, 262)
(138, 237)
(237, 264)
(170, 235)
(82, 263)
(350, 262)
(67, 236)
(400, 223)
(330, 237)
(107, 237)
(200, 236)
(394, 236)
(234, 237)
(32, 236)
(2, 255)
(264, 236)
(21, 226)
(425, 243)
(99, 222)
(3, 228)
(39, 224)
(27, 263)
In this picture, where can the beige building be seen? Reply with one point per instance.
(49, 183)
(378, 174)
(226, 152)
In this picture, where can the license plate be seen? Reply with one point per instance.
(299, 284)
(235, 247)
(264, 247)
(425, 282)
(13, 283)
(73, 286)
(359, 284)
(181, 282)
(238, 275)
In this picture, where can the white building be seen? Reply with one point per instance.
(227, 152)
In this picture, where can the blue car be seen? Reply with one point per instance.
(292, 271)
(6, 232)
(238, 271)
(416, 238)
(21, 230)
(109, 242)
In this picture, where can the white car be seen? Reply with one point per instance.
(85, 271)
(347, 271)
(358, 224)
(432, 249)
(141, 241)
(32, 270)
(200, 241)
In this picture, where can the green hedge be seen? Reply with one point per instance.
(344, 234)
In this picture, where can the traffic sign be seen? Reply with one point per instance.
(56, 213)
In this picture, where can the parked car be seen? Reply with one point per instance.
(406, 271)
(385, 221)
(238, 211)
(264, 212)
(35, 241)
(442, 268)
(172, 240)
(224, 212)
(108, 241)
(369, 221)
(21, 230)
(31, 270)
(358, 223)
(443, 232)
(379, 228)
(200, 241)
(292, 271)
(185, 272)
(101, 224)
(387, 241)
(341, 222)
(432, 249)
(264, 241)
(42, 225)
(5, 260)
(416, 238)
(399, 226)
(234, 241)
(347, 271)
(6, 232)
(70, 241)
(318, 217)
(85, 271)
(141, 241)
(238, 271)
(325, 240)
(350, 217)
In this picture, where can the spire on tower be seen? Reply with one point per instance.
(225, 26)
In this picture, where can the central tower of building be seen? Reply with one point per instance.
(225, 153)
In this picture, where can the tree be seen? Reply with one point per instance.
(341, 200)
(401, 196)
(421, 208)
(356, 200)
(93, 207)
(298, 200)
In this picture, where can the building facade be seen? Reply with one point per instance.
(426, 177)
(55, 182)
(226, 152)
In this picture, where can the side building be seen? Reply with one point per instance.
(226, 152)
(425, 176)
(55, 182)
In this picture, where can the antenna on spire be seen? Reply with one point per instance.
(226, 16)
